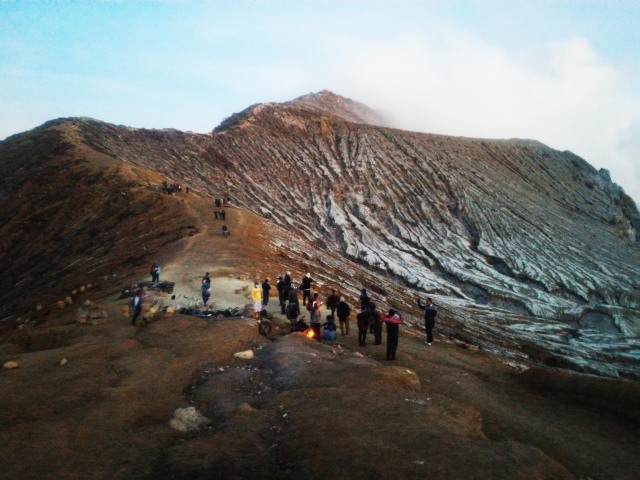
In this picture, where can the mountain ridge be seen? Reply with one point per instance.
(482, 222)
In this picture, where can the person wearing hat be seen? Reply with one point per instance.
(393, 321)
(430, 312)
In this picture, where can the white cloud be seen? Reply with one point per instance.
(561, 93)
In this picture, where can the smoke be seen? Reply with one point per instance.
(562, 94)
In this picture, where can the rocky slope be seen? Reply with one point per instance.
(529, 251)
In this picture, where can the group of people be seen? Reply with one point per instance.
(369, 319)
(220, 213)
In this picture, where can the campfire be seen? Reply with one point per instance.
(310, 334)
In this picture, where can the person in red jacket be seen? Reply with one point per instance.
(393, 321)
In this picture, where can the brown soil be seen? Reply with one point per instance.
(301, 408)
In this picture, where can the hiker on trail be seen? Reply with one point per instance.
(223, 214)
(393, 321)
(430, 312)
(206, 279)
(280, 289)
(364, 299)
(256, 296)
(293, 312)
(218, 204)
(314, 311)
(343, 312)
(329, 328)
(305, 286)
(225, 230)
(215, 213)
(136, 303)
(206, 293)
(332, 303)
(155, 272)
(265, 292)
(363, 325)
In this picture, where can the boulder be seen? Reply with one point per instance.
(246, 354)
(10, 364)
(188, 420)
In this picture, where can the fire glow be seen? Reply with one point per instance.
(310, 334)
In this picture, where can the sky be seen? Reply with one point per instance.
(566, 73)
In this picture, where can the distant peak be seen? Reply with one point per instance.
(330, 103)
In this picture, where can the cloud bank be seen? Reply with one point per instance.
(562, 94)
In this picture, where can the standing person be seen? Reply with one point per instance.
(206, 293)
(332, 303)
(292, 313)
(256, 296)
(206, 279)
(215, 213)
(155, 272)
(343, 312)
(314, 311)
(280, 289)
(293, 293)
(377, 318)
(265, 292)
(393, 321)
(223, 214)
(364, 299)
(305, 286)
(363, 326)
(287, 285)
(136, 303)
(430, 312)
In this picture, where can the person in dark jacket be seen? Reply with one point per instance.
(343, 312)
(305, 286)
(206, 293)
(293, 294)
(287, 285)
(136, 303)
(363, 326)
(364, 299)
(332, 303)
(376, 319)
(393, 321)
(265, 292)
(292, 313)
(206, 279)
(280, 289)
(430, 312)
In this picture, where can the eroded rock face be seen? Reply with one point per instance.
(518, 243)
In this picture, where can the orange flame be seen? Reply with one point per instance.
(310, 334)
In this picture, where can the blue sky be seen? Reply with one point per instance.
(565, 73)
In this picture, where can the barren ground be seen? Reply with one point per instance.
(301, 408)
